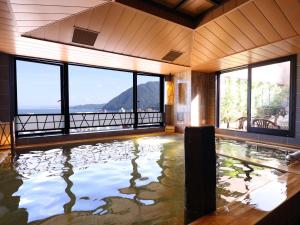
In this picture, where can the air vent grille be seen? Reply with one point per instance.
(172, 55)
(85, 37)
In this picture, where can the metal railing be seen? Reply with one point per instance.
(38, 124)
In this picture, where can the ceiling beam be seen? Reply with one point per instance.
(180, 4)
(215, 2)
(160, 11)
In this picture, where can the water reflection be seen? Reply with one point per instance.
(120, 182)
(253, 153)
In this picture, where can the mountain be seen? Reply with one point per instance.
(148, 97)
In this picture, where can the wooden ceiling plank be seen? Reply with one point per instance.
(66, 30)
(276, 17)
(173, 43)
(264, 53)
(287, 46)
(240, 21)
(111, 20)
(77, 3)
(125, 19)
(186, 42)
(137, 22)
(33, 23)
(140, 34)
(40, 16)
(82, 20)
(46, 9)
(52, 33)
(252, 13)
(276, 50)
(291, 11)
(215, 40)
(159, 39)
(155, 31)
(98, 17)
(209, 45)
(170, 44)
(171, 32)
(295, 41)
(197, 47)
(223, 35)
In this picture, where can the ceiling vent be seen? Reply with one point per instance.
(172, 55)
(84, 37)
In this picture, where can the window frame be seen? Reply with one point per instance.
(64, 88)
(40, 61)
(292, 97)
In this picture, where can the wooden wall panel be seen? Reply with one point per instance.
(203, 99)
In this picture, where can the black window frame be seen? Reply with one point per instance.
(64, 86)
(292, 97)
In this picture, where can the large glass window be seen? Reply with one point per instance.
(268, 106)
(233, 99)
(148, 93)
(54, 97)
(38, 87)
(100, 90)
(270, 96)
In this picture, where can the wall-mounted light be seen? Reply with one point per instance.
(169, 84)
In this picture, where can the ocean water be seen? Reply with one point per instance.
(51, 111)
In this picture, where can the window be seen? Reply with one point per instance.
(270, 94)
(233, 99)
(148, 93)
(100, 90)
(55, 97)
(38, 86)
(267, 105)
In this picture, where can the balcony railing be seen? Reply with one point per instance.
(39, 124)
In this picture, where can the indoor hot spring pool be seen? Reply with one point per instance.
(132, 181)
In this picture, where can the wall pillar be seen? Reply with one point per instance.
(5, 100)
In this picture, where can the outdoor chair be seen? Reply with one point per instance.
(264, 123)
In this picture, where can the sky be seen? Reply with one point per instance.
(38, 85)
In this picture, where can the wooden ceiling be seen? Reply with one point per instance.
(34, 12)
(255, 31)
(125, 31)
(235, 33)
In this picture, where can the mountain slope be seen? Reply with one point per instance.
(148, 97)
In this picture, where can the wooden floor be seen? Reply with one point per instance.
(277, 202)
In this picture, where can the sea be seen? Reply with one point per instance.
(51, 111)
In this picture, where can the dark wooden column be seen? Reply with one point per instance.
(200, 172)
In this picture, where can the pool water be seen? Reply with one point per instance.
(136, 181)
(253, 153)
